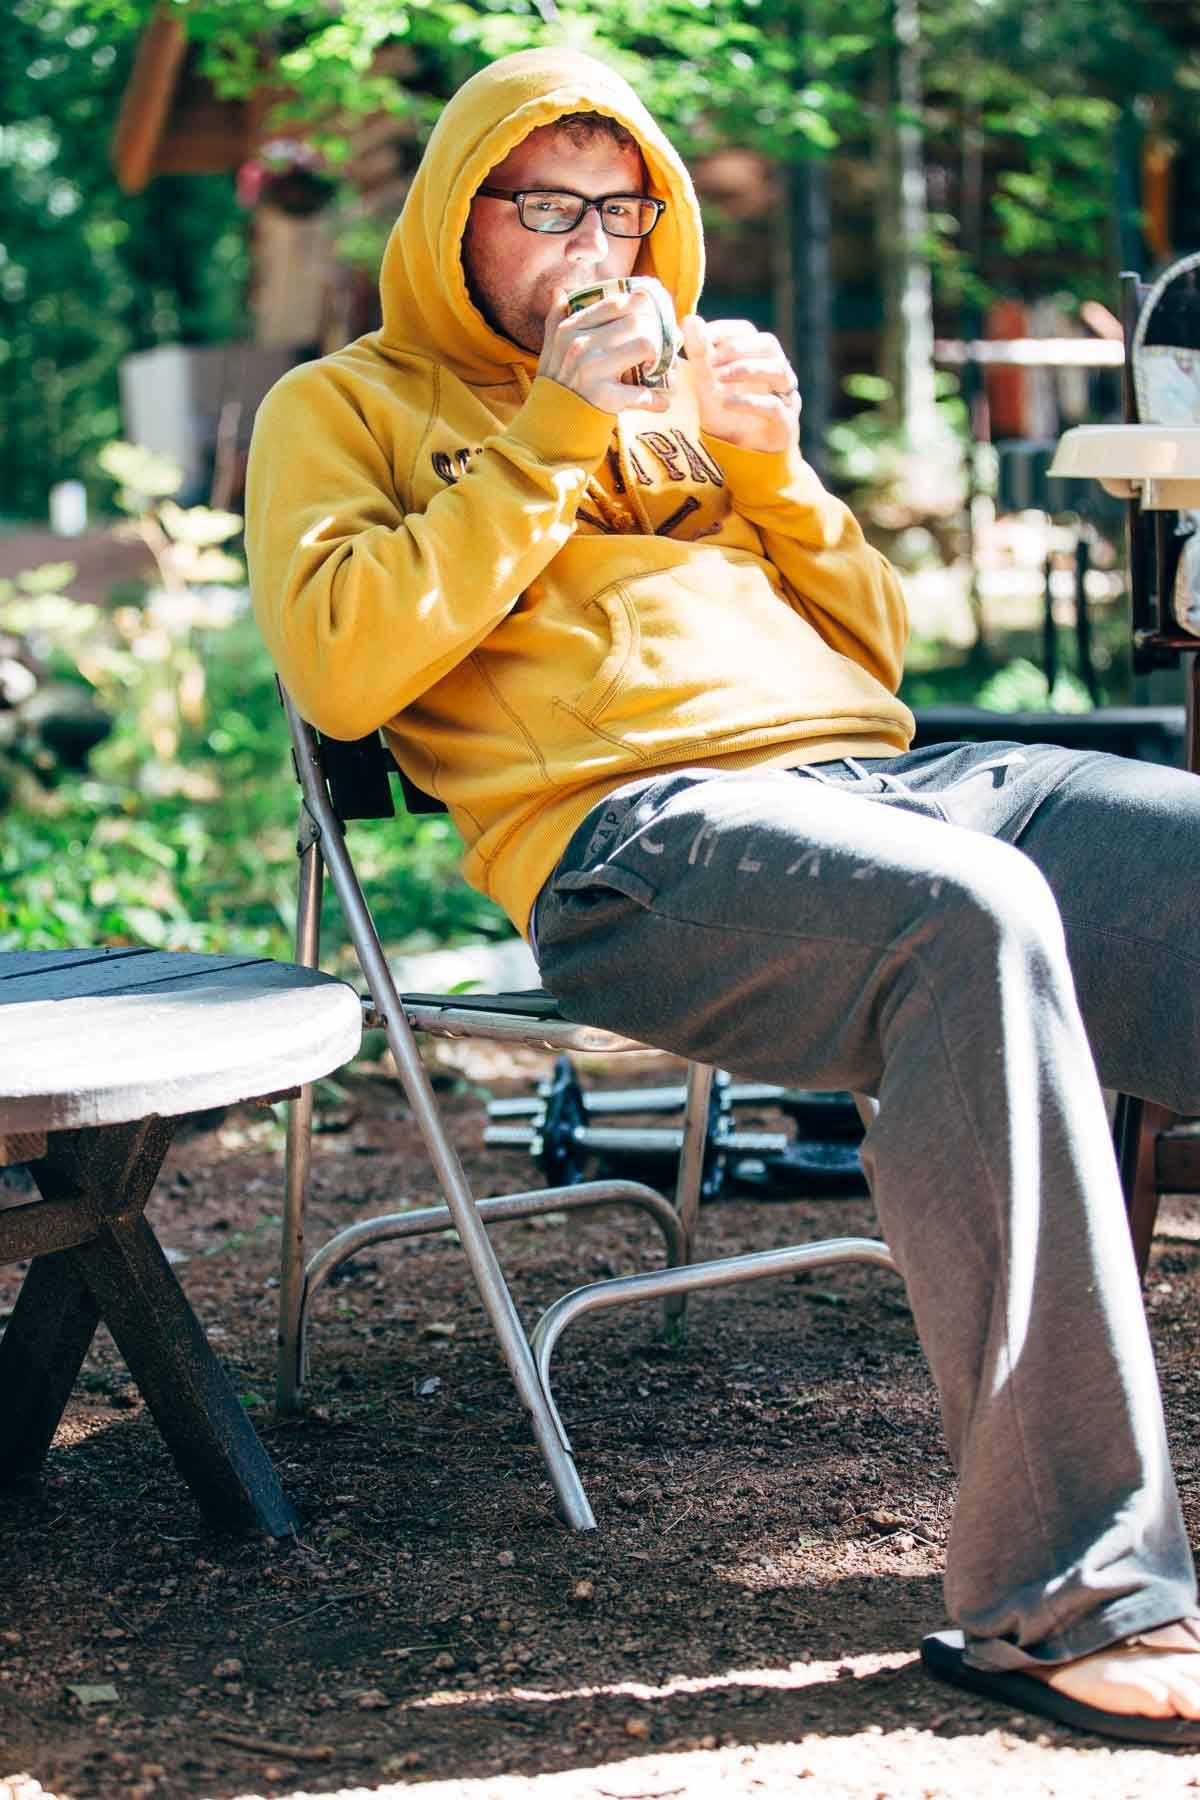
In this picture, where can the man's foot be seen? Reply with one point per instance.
(1155, 1674)
(1144, 1690)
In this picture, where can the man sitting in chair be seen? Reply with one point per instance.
(649, 665)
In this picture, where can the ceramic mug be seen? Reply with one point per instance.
(659, 376)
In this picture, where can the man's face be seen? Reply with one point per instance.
(513, 272)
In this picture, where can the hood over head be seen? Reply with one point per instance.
(426, 303)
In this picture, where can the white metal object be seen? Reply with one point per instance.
(676, 1283)
(1158, 465)
(1032, 353)
(445, 1019)
(493, 1209)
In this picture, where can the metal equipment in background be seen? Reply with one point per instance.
(566, 1128)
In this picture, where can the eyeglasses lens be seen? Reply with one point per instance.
(624, 215)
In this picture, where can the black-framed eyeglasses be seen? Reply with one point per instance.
(558, 210)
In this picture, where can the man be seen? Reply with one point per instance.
(650, 666)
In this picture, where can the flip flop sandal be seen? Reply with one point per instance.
(942, 1653)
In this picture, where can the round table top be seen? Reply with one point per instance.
(103, 1037)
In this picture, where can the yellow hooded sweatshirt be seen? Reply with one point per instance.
(539, 600)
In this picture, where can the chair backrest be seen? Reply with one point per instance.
(360, 775)
(1169, 322)
(1133, 296)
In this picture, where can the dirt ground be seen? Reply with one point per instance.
(773, 1498)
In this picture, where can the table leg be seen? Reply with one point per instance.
(120, 1274)
(193, 1402)
(41, 1353)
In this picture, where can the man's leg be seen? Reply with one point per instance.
(792, 931)
(1117, 840)
(1119, 843)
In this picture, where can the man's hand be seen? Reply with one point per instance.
(745, 386)
(590, 350)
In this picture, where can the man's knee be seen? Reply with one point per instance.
(997, 897)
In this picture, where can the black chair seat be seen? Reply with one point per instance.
(527, 1003)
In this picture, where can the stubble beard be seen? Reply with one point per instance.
(528, 329)
(519, 321)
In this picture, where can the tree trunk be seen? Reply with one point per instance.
(804, 296)
(903, 231)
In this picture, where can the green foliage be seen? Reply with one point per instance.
(180, 832)
(1020, 686)
(1040, 93)
(886, 481)
(774, 75)
(201, 854)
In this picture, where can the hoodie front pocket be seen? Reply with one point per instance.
(697, 650)
(619, 615)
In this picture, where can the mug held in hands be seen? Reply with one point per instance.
(659, 374)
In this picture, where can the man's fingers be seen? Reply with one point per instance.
(637, 306)
(765, 405)
(761, 369)
(734, 353)
(696, 341)
(556, 312)
(738, 337)
(610, 356)
(759, 347)
(765, 375)
(616, 395)
(646, 398)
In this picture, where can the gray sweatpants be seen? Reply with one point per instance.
(973, 933)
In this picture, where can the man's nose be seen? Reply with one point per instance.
(587, 238)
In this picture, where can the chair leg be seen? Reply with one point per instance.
(1143, 1196)
(289, 1363)
(476, 1245)
(722, 1272)
(481, 1258)
(688, 1180)
(1136, 1125)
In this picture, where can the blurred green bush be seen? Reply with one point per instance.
(179, 828)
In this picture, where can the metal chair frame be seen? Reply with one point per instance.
(340, 782)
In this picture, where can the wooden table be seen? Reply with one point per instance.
(101, 1053)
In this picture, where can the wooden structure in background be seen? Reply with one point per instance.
(170, 121)
(304, 299)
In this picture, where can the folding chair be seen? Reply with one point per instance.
(341, 782)
(1161, 386)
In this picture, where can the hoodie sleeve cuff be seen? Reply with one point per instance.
(767, 475)
(560, 427)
